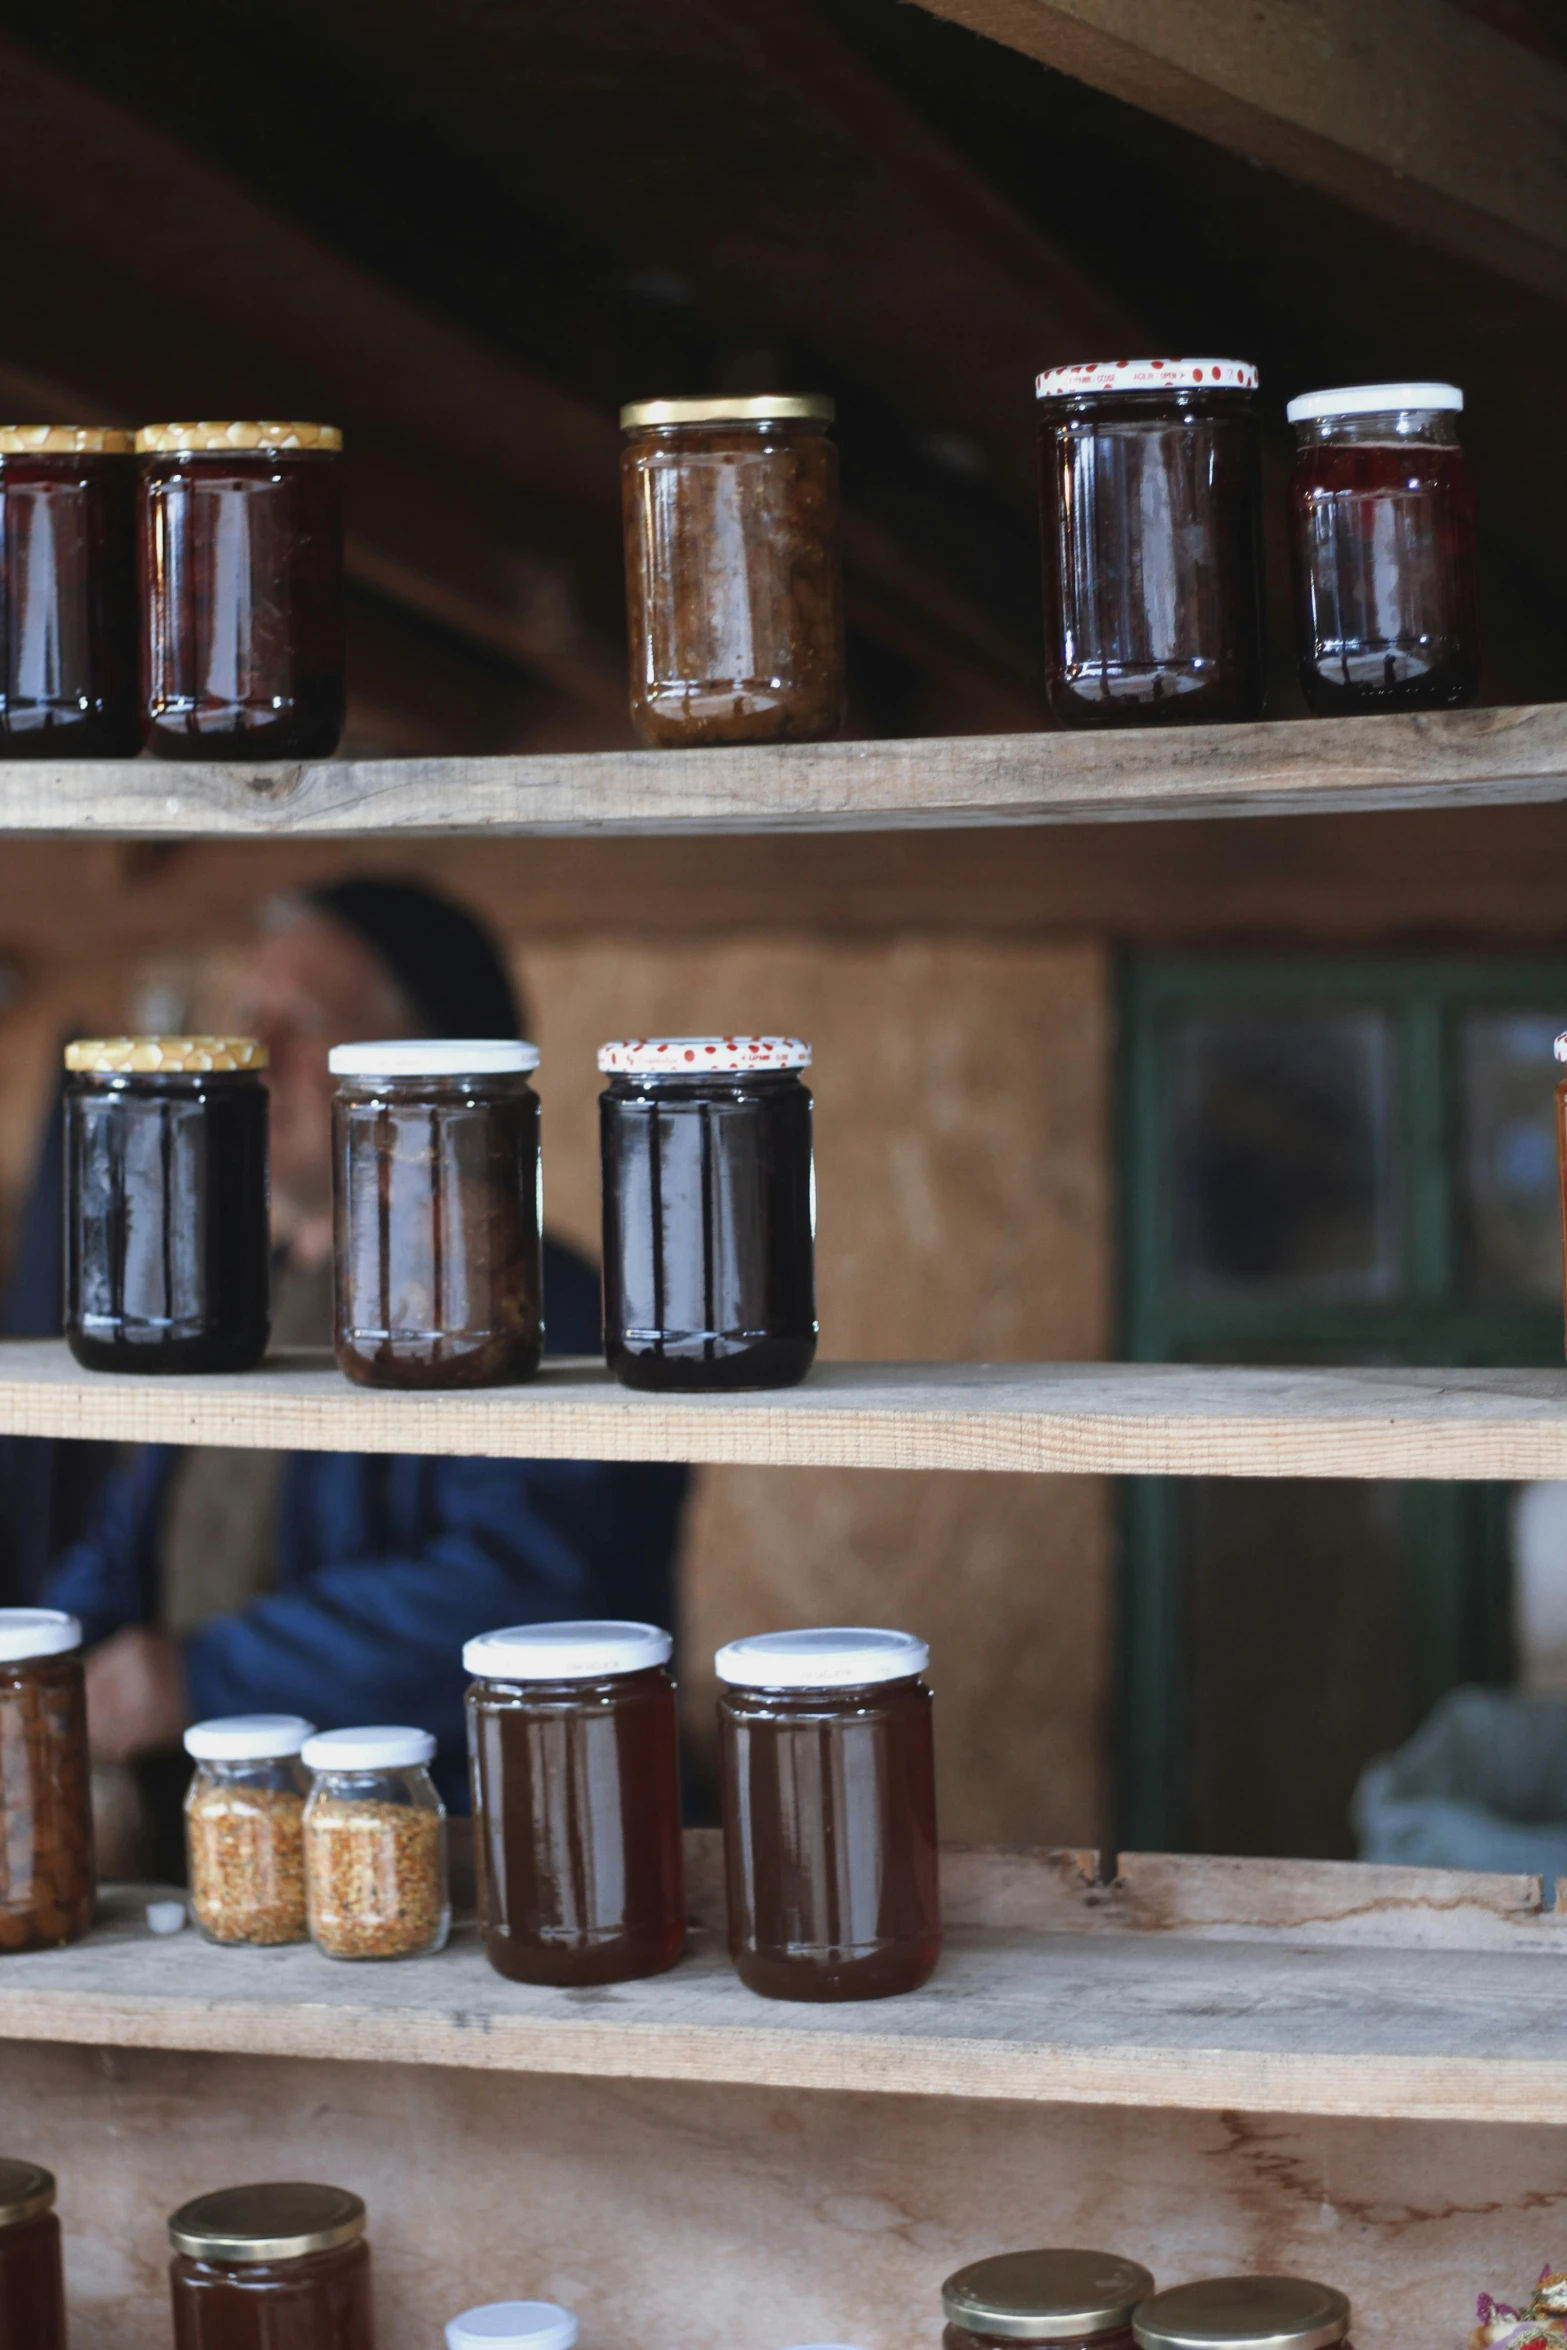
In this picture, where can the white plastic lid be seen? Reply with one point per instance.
(36, 1631)
(1559, 1048)
(688, 1056)
(583, 1651)
(513, 2325)
(1146, 375)
(839, 1656)
(248, 1737)
(435, 1056)
(1373, 400)
(378, 1749)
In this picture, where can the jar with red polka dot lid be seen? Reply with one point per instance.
(1149, 493)
(709, 1211)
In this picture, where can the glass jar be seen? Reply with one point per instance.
(437, 1211)
(732, 577)
(828, 1782)
(67, 593)
(276, 2267)
(1150, 506)
(513, 2325)
(1243, 2313)
(375, 1845)
(32, 2280)
(575, 1752)
(240, 553)
(1075, 2299)
(245, 1828)
(48, 1882)
(168, 1241)
(709, 1194)
(1382, 535)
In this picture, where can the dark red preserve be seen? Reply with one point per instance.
(275, 2267)
(1149, 499)
(1070, 2298)
(32, 2283)
(68, 592)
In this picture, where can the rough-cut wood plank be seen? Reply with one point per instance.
(1136, 1419)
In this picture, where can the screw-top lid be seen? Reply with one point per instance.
(513, 2325)
(155, 1056)
(1145, 375)
(1243, 2313)
(202, 440)
(1046, 2296)
(1559, 1048)
(584, 1651)
(66, 440)
(282, 2221)
(36, 1631)
(382, 1748)
(842, 1656)
(248, 1737)
(26, 2191)
(1373, 400)
(768, 408)
(693, 1056)
(435, 1056)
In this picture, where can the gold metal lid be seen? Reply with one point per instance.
(26, 2191)
(1243, 2313)
(164, 440)
(66, 440)
(1046, 2296)
(276, 2222)
(162, 1056)
(769, 408)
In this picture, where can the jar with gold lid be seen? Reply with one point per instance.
(240, 556)
(167, 1236)
(68, 592)
(1060, 2296)
(283, 2266)
(1243, 2313)
(32, 2283)
(48, 1880)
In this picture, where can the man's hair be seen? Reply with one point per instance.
(445, 961)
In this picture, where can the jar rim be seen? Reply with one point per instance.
(243, 439)
(838, 1656)
(513, 2325)
(1091, 377)
(66, 440)
(1375, 400)
(27, 2191)
(1046, 2296)
(248, 1737)
(1243, 2313)
(567, 1651)
(27, 1632)
(381, 1747)
(765, 408)
(282, 2220)
(701, 1056)
(435, 1056)
(163, 1056)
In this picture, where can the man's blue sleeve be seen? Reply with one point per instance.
(110, 1576)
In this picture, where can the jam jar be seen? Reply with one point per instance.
(278, 2267)
(67, 593)
(1243, 2313)
(47, 1878)
(168, 1243)
(32, 2281)
(709, 1200)
(1150, 501)
(828, 1783)
(435, 1176)
(245, 1828)
(513, 2325)
(240, 563)
(1067, 2297)
(575, 1753)
(733, 591)
(1382, 535)
(376, 1882)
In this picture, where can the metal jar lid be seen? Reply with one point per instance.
(281, 2221)
(1244, 2313)
(1049, 2296)
(769, 408)
(66, 440)
(162, 1056)
(26, 2191)
(235, 439)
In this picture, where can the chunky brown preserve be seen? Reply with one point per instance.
(575, 1751)
(32, 2282)
(67, 592)
(732, 572)
(1078, 2300)
(276, 2267)
(48, 1882)
(1243, 2313)
(827, 1773)
(376, 1881)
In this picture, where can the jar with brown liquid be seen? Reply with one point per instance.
(68, 593)
(1078, 2300)
(1243, 2313)
(275, 2267)
(48, 1881)
(575, 1754)
(735, 603)
(32, 2281)
(828, 1782)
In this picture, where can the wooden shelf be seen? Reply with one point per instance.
(1443, 759)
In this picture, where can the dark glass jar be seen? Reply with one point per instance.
(1078, 2300)
(240, 556)
(1150, 505)
(827, 1775)
(435, 1175)
(1382, 535)
(168, 1242)
(733, 592)
(282, 2267)
(709, 1212)
(575, 1754)
(32, 2279)
(47, 1879)
(1243, 2313)
(67, 593)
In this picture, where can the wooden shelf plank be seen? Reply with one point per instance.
(1442, 759)
(1138, 1419)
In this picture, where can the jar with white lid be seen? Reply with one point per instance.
(1382, 532)
(709, 1212)
(245, 1828)
(828, 1784)
(1243, 2313)
(436, 1212)
(376, 1881)
(48, 1880)
(575, 1752)
(513, 2325)
(279, 2266)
